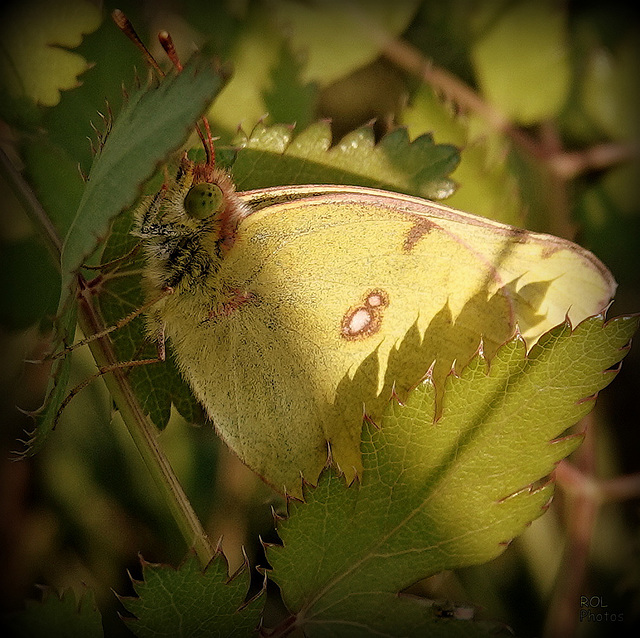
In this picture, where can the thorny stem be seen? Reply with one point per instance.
(141, 429)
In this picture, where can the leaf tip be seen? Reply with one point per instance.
(428, 375)
(276, 516)
(370, 422)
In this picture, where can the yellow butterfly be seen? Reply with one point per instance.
(297, 310)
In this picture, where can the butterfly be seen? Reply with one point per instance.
(295, 311)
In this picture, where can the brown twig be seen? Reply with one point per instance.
(564, 165)
(581, 511)
(32, 207)
(576, 483)
(571, 164)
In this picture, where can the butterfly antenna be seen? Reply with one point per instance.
(166, 42)
(209, 148)
(124, 24)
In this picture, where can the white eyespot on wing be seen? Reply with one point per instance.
(365, 319)
(358, 322)
(375, 299)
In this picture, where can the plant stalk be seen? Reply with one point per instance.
(143, 432)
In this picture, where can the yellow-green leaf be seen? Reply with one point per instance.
(442, 493)
(523, 49)
(35, 36)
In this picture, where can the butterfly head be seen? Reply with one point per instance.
(189, 224)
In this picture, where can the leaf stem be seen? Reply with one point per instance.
(143, 431)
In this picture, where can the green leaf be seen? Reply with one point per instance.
(59, 380)
(34, 62)
(113, 62)
(187, 602)
(610, 89)
(337, 37)
(333, 39)
(523, 47)
(154, 122)
(443, 493)
(58, 616)
(272, 156)
(486, 186)
(287, 99)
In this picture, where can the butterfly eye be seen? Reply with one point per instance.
(203, 200)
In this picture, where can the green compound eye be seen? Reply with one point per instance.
(203, 200)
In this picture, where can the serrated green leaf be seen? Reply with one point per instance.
(34, 62)
(113, 63)
(442, 494)
(187, 602)
(58, 616)
(272, 156)
(390, 615)
(154, 122)
(57, 390)
(524, 47)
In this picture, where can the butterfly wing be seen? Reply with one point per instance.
(337, 296)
